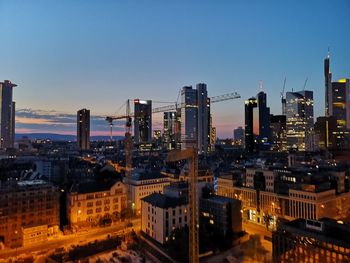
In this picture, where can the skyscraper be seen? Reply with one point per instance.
(264, 122)
(250, 123)
(189, 117)
(7, 115)
(299, 118)
(83, 129)
(278, 133)
(143, 121)
(169, 130)
(337, 105)
(203, 103)
(195, 118)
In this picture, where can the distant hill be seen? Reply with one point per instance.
(61, 137)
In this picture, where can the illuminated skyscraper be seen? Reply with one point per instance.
(195, 118)
(83, 129)
(7, 115)
(169, 130)
(299, 118)
(143, 121)
(189, 115)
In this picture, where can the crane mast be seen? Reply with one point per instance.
(190, 154)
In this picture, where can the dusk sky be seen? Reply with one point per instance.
(67, 55)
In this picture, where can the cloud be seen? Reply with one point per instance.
(41, 121)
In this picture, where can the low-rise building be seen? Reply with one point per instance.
(160, 214)
(28, 208)
(89, 202)
(143, 184)
(303, 240)
(222, 212)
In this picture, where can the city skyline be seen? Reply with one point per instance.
(98, 55)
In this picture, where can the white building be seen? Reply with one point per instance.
(145, 183)
(160, 214)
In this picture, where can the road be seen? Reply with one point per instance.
(68, 240)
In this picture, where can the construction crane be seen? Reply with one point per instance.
(283, 99)
(190, 154)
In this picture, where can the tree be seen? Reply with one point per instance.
(267, 220)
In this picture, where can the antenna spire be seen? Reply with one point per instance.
(261, 86)
(328, 53)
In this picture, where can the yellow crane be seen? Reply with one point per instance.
(190, 154)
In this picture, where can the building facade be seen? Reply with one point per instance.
(251, 124)
(28, 207)
(90, 202)
(83, 129)
(7, 115)
(169, 130)
(145, 183)
(161, 214)
(143, 121)
(299, 118)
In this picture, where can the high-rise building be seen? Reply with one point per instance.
(264, 122)
(195, 118)
(328, 84)
(250, 123)
(278, 133)
(169, 130)
(7, 115)
(189, 117)
(143, 121)
(203, 118)
(340, 103)
(321, 128)
(238, 135)
(299, 118)
(83, 129)
(337, 105)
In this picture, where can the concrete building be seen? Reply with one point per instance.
(7, 115)
(223, 213)
(28, 208)
(301, 240)
(83, 129)
(161, 214)
(143, 121)
(299, 118)
(288, 194)
(143, 184)
(89, 202)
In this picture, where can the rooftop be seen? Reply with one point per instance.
(163, 201)
(140, 176)
(92, 186)
(333, 231)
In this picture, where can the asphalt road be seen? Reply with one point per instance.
(68, 240)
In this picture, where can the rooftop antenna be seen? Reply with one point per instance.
(328, 53)
(305, 83)
(261, 86)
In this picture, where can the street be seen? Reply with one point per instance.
(68, 240)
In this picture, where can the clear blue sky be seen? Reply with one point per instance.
(65, 55)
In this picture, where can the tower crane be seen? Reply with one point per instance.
(128, 140)
(190, 154)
